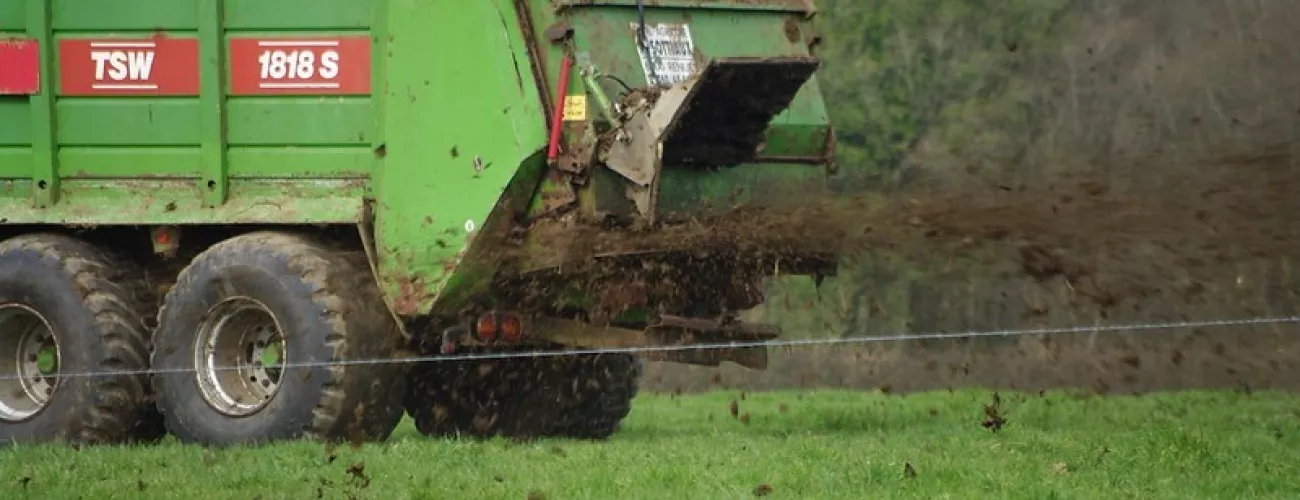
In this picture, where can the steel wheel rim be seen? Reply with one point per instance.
(30, 360)
(239, 356)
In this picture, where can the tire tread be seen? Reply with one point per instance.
(350, 301)
(110, 287)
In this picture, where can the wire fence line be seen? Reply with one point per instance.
(896, 337)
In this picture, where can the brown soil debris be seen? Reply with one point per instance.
(993, 418)
(1152, 181)
(357, 473)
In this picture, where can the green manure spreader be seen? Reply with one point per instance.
(240, 221)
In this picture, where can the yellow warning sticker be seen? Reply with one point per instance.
(575, 108)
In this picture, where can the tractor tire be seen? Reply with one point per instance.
(480, 398)
(73, 309)
(582, 397)
(284, 315)
(607, 383)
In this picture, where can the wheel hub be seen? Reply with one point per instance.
(239, 356)
(29, 362)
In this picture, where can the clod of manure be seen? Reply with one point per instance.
(993, 414)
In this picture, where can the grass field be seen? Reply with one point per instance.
(779, 445)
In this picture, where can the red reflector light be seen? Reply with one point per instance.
(511, 329)
(486, 327)
(497, 326)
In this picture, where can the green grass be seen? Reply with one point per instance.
(822, 445)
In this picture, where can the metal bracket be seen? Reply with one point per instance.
(669, 331)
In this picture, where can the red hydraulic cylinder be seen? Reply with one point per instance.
(557, 118)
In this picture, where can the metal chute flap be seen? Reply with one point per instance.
(726, 111)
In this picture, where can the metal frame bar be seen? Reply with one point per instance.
(45, 158)
(214, 182)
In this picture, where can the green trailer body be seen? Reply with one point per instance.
(425, 126)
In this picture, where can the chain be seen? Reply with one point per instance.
(897, 337)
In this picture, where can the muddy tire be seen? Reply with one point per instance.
(69, 308)
(444, 397)
(250, 338)
(582, 397)
(607, 384)
(483, 398)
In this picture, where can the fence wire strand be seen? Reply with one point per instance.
(896, 337)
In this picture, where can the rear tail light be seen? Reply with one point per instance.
(511, 328)
(492, 327)
(486, 327)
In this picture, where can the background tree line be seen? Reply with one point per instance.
(991, 98)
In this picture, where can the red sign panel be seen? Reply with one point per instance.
(20, 67)
(300, 66)
(124, 66)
